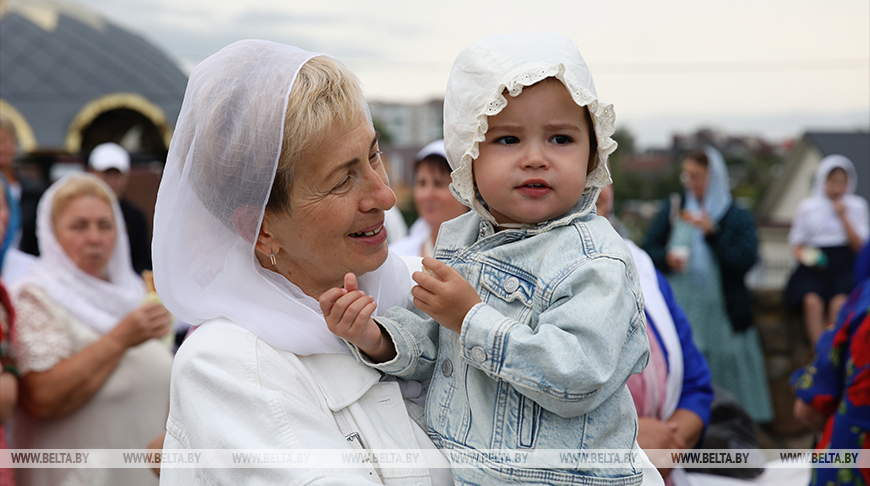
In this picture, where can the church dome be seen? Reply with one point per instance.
(70, 79)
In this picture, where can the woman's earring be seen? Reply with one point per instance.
(272, 257)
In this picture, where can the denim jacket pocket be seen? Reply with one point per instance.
(507, 286)
(529, 419)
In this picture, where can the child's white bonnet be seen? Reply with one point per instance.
(488, 67)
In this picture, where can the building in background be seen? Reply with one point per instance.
(406, 129)
(71, 80)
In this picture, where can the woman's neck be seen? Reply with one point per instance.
(308, 286)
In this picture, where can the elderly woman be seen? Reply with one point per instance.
(92, 377)
(274, 189)
(705, 243)
(433, 200)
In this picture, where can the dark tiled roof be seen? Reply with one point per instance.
(50, 75)
(854, 145)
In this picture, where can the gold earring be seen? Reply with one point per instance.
(272, 257)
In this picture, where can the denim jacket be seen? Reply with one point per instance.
(542, 362)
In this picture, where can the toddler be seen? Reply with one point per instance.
(540, 310)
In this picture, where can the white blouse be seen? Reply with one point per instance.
(126, 413)
(816, 223)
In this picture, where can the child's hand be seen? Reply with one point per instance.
(446, 297)
(348, 313)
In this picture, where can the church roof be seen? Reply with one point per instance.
(57, 58)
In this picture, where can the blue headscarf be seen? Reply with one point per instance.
(14, 224)
(717, 193)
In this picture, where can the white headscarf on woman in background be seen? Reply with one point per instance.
(97, 303)
(212, 199)
(816, 222)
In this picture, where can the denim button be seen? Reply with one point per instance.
(511, 285)
(478, 354)
(447, 368)
(482, 231)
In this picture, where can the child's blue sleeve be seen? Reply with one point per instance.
(415, 336)
(589, 338)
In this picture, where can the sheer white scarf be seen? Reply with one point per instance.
(97, 303)
(211, 201)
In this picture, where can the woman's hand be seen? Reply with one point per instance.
(808, 415)
(677, 263)
(700, 220)
(654, 434)
(73, 381)
(446, 297)
(839, 207)
(348, 313)
(151, 320)
(8, 395)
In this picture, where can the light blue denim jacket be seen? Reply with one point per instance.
(542, 362)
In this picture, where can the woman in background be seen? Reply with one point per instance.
(8, 370)
(92, 377)
(828, 231)
(705, 243)
(434, 202)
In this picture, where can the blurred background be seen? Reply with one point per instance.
(775, 85)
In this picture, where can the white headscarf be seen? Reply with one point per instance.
(217, 180)
(488, 67)
(816, 222)
(97, 303)
(828, 164)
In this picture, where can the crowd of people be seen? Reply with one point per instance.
(513, 315)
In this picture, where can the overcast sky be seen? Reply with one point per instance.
(775, 68)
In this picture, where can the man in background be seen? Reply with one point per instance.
(111, 162)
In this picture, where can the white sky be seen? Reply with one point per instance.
(771, 67)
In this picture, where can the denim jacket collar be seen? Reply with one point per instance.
(584, 206)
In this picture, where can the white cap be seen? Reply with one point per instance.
(434, 148)
(109, 156)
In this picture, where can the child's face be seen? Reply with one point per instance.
(532, 165)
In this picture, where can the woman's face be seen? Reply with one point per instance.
(694, 177)
(435, 203)
(336, 221)
(836, 184)
(85, 230)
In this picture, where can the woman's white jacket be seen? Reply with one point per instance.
(231, 390)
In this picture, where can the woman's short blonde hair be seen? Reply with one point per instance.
(7, 126)
(78, 186)
(326, 95)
